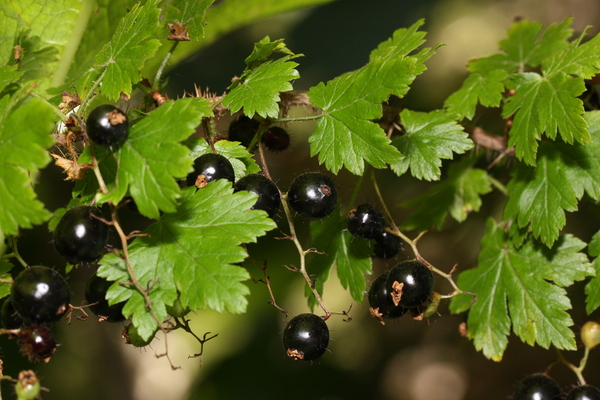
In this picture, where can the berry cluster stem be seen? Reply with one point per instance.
(578, 370)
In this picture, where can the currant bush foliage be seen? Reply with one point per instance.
(192, 250)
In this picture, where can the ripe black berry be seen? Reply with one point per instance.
(107, 125)
(268, 194)
(209, 167)
(95, 295)
(585, 392)
(312, 195)
(387, 245)
(80, 236)
(538, 387)
(366, 221)
(275, 138)
(37, 342)
(410, 283)
(306, 337)
(243, 130)
(10, 318)
(40, 295)
(380, 301)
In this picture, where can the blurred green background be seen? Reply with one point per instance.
(405, 359)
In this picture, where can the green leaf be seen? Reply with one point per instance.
(193, 252)
(243, 163)
(523, 287)
(130, 47)
(477, 88)
(191, 14)
(257, 90)
(5, 267)
(152, 157)
(24, 138)
(8, 75)
(345, 135)
(544, 105)
(459, 194)
(429, 138)
(351, 256)
(582, 60)
(592, 289)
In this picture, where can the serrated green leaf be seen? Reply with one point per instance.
(243, 163)
(37, 59)
(130, 47)
(345, 135)
(582, 60)
(152, 157)
(257, 91)
(264, 49)
(477, 88)
(429, 138)
(350, 256)
(592, 289)
(5, 267)
(8, 75)
(191, 251)
(523, 287)
(191, 14)
(459, 194)
(24, 138)
(544, 105)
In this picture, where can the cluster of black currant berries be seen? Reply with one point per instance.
(542, 387)
(367, 222)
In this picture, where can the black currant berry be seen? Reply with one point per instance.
(312, 195)
(538, 387)
(306, 337)
(40, 294)
(10, 318)
(107, 125)
(243, 130)
(387, 245)
(410, 283)
(585, 392)
(366, 221)
(95, 296)
(210, 167)
(380, 301)
(268, 194)
(80, 235)
(275, 138)
(37, 342)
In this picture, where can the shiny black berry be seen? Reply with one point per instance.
(243, 130)
(37, 342)
(95, 296)
(10, 318)
(268, 194)
(210, 167)
(380, 300)
(40, 294)
(107, 125)
(366, 221)
(275, 138)
(410, 283)
(312, 195)
(585, 392)
(306, 337)
(387, 245)
(80, 236)
(538, 387)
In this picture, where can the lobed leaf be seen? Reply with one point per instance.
(486, 89)
(192, 15)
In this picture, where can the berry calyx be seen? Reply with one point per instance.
(306, 337)
(312, 195)
(37, 342)
(243, 130)
(387, 245)
(210, 167)
(107, 125)
(537, 387)
(584, 392)
(366, 221)
(95, 296)
(80, 236)
(380, 301)
(40, 295)
(410, 283)
(268, 200)
(275, 138)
